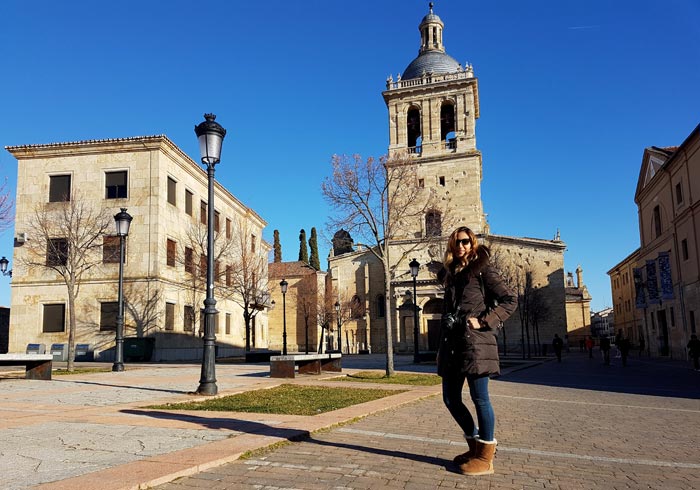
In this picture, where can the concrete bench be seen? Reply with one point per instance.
(284, 366)
(38, 366)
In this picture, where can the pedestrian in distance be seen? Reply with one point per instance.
(694, 351)
(624, 346)
(589, 346)
(557, 345)
(468, 350)
(605, 349)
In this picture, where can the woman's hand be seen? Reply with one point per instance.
(474, 323)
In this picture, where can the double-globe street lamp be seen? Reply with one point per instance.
(340, 335)
(283, 287)
(210, 135)
(122, 220)
(415, 267)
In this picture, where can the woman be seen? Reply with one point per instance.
(468, 349)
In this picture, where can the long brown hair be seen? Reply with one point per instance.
(450, 253)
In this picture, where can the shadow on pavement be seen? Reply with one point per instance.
(641, 376)
(131, 387)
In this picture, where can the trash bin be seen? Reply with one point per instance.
(84, 352)
(59, 352)
(138, 348)
(36, 349)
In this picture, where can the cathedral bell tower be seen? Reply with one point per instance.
(433, 107)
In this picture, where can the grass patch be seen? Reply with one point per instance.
(63, 372)
(413, 379)
(285, 399)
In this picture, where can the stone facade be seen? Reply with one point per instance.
(305, 295)
(663, 284)
(578, 308)
(165, 191)
(433, 110)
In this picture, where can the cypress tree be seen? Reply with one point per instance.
(303, 251)
(277, 247)
(313, 244)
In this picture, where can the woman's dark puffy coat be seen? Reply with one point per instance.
(463, 349)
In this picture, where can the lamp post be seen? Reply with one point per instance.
(283, 287)
(210, 135)
(415, 267)
(340, 335)
(122, 220)
(3, 267)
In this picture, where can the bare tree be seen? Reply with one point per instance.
(192, 255)
(246, 282)
(325, 313)
(307, 303)
(142, 301)
(67, 239)
(379, 200)
(6, 205)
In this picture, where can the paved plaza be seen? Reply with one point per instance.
(571, 425)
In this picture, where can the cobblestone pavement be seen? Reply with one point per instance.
(574, 425)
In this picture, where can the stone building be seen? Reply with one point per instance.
(304, 298)
(578, 308)
(164, 273)
(661, 280)
(433, 107)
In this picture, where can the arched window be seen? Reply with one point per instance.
(433, 223)
(413, 127)
(447, 120)
(657, 221)
(381, 307)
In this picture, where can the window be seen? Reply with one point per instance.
(657, 221)
(115, 185)
(110, 249)
(203, 212)
(189, 319)
(679, 193)
(228, 323)
(228, 228)
(216, 221)
(229, 271)
(447, 120)
(170, 316)
(172, 191)
(203, 266)
(413, 130)
(217, 270)
(171, 252)
(433, 223)
(56, 251)
(59, 188)
(684, 249)
(54, 318)
(442, 181)
(421, 183)
(189, 261)
(108, 315)
(381, 307)
(188, 202)
(252, 243)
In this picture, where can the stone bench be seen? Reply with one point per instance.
(284, 366)
(38, 366)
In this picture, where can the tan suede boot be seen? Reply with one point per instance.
(482, 462)
(464, 457)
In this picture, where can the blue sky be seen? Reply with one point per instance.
(571, 93)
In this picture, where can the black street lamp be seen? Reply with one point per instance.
(122, 220)
(340, 335)
(415, 266)
(211, 136)
(283, 286)
(3, 267)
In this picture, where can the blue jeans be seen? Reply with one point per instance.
(452, 385)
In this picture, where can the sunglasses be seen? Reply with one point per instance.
(463, 242)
